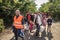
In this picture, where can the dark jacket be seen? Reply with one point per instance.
(49, 21)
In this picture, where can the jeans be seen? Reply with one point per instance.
(17, 33)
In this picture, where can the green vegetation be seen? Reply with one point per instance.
(53, 7)
(8, 7)
(1, 25)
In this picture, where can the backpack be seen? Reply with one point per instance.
(37, 18)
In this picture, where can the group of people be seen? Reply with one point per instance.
(39, 19)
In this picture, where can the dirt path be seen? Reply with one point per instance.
(56, 31)
(7, 35)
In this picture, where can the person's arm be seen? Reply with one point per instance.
(23, 22)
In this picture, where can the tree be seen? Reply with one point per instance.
(53, 6)
(8, 7)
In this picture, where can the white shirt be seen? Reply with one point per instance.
(39, 20)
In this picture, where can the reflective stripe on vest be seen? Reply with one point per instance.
(18, 22)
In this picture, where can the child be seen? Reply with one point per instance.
(31, 26)
(44, 21)
(49, 22)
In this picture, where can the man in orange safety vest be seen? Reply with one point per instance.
(17, 23)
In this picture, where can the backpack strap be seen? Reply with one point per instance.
(36, 19)
(40, 15)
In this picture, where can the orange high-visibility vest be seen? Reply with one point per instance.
(18, 22)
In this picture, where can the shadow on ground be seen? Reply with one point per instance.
(49, 36)
(33, 37)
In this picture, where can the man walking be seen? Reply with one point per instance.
(38, 23)
(17, 24)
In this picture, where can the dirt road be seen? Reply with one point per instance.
(55, 35)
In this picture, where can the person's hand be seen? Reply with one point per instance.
(22, 30)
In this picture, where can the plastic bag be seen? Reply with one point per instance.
(42, 28)
(26, 27)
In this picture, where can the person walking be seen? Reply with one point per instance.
(49, 22)
(28, 17)
(31, 22)
(18, 24)
(44, 21)
(38, 23)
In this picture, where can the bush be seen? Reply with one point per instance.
(1, 25)
(8, 21)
